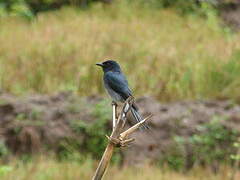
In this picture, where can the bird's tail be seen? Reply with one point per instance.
(138, 117)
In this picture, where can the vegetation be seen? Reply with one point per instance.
(173, 57)
(41, 168)
(164, 54)
(28, 8)
(95, 142)
(207, 147)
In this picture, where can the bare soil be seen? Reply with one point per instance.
(39, 123)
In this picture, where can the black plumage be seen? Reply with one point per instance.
(116, 85)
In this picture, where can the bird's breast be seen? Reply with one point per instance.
(114, 95)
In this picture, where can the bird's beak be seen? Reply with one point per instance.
(99, 64)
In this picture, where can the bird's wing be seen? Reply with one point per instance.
(118, 83)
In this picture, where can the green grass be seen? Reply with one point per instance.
(163, 54)
(43, 168)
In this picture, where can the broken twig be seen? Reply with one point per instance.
(117, 138)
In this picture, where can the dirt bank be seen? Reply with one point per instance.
(40, 123)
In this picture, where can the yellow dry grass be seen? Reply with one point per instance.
(44, 168)
(163, 54)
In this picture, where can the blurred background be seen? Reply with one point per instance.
(182, 60)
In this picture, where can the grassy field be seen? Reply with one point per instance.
(163, 54)
(49, 169)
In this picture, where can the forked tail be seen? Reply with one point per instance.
(138, 117)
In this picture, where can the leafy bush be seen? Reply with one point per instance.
(94, 132)
(29, 7)
(206, 147)
(210, 145)
(3, 149)
(96, 140)
(15, 7)
(4, 169)
(182, 6)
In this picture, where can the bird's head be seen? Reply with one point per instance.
(109, 65)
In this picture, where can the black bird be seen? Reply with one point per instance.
(117, 85)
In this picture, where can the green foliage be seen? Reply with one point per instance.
(236, 156)
(182, 6)
(29, 7)
(24, 119)
(21, 117)
(208, 146)
(94, 132)
(174, 158)
(69, 150)
(4, 169)
(3, 149)
(175, 161)
(94, 140)
(15, 8)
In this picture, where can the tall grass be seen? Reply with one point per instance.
(163, 54)
(48, 169)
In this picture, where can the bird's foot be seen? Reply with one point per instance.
(114, 103)
(120, 142)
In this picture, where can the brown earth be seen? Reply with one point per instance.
(39, 123)
(230, 13)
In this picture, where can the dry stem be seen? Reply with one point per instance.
(117, 139)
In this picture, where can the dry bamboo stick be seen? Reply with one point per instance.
(116, 140)
(110, 147)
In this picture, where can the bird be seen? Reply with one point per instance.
(117, 86)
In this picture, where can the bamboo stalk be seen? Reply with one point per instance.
(115, 140)
(104, 162)
(114, 106)
(110, 147)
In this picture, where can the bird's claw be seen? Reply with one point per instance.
(114, 103)
(126, 142)
(114, 141)
(120, 142)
